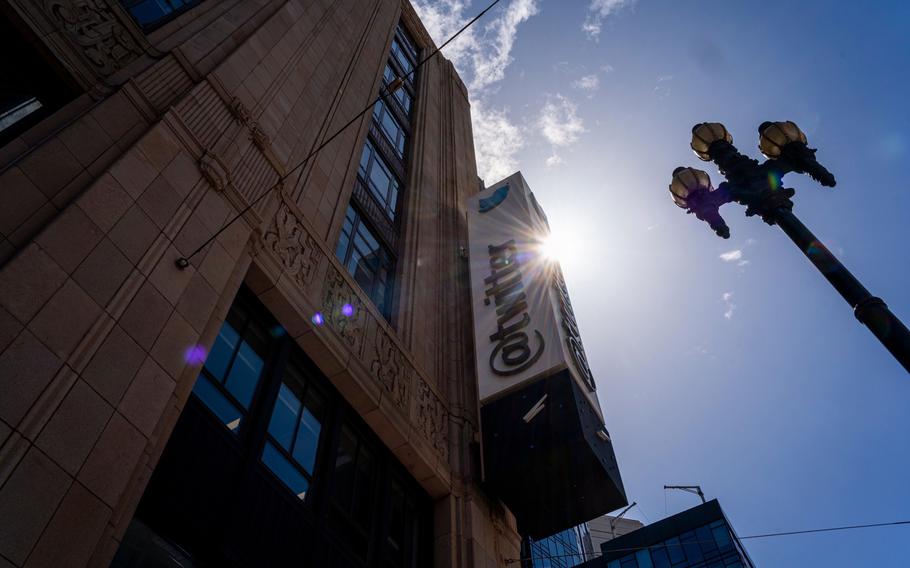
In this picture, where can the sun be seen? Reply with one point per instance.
(556, 248)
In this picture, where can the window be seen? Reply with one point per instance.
(153, 13)
(294, 430)
(378, 176)
(366, 259)
(354, 489)
(405, 42)
(403, 59)
(303, 469)
(390, 127)
(402, 95)
(33, 87)
(233, 368)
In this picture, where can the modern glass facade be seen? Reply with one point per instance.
(708, 546)
(700, 537)
(570, 547)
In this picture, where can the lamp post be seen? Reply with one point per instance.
(760, 188)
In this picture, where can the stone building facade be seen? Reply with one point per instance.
(140, 129)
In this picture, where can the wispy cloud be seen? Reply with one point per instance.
(554, 160)
(662, 88)
(559, 121)
(497, 140)
(559, 124)
(482, 54)
(729, 306)
(737, 255)
(587, 83)
(598, 11)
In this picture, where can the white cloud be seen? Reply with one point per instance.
(598, 11)
(588, 83)
(606, 68)
(482, 54)
(729, 306)
(554, 160)
(497, 141)
(731, 256)
(559, 121)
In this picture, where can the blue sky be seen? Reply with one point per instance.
(730, 364)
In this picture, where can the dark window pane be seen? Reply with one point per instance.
(307, 439)
(148, 13)
(690, 545)
(722, 537)
(675, 551)
(403, 61)
(659, 557)
(365, 487)
(223, 408)
(284, 417)
(390, 127)
(344, 469)
(285, 470)
(705, 540)
(217, 361)
(244, 374)
(368, 262)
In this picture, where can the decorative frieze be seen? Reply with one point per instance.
(344, 311)
(94, 27)
(288, 240)
(431, 418)
(391, 369)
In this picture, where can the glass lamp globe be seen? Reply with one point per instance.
(687, 181)
(773, 136)
(705, 134)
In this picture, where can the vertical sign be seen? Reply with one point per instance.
(524, 325)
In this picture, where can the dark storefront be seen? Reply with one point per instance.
(268, 465)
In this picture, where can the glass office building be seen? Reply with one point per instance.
(564, 549)
(701, 537)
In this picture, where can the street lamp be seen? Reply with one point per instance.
(760, 188)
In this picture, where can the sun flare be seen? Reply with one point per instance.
(556, 248)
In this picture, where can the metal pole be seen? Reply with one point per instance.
(871, 311)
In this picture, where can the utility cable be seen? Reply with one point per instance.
(764, 535)
(184, 261)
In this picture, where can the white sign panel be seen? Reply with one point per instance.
(524, 326)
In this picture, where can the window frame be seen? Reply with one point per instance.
(362, 220)
(174, 13)
(376, 159)
(337, 415)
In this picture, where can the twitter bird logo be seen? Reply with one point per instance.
(490, 203)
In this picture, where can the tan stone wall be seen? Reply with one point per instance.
(175, 136)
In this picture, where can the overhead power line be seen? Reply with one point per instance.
(764, 535)
(184, 261)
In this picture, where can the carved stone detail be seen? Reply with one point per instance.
(432, 418)
(391, 369)
(239, 111)
(292, 244)
(95, 28)
(214, 170)
(344, 311)
(258, 136)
